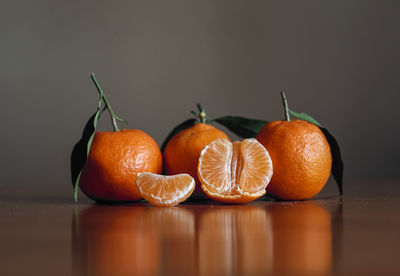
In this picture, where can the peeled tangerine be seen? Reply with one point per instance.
(235, 172)
(165, 190)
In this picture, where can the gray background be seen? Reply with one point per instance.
(338, 61)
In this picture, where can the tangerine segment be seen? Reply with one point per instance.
(163, 190)
(235, 172)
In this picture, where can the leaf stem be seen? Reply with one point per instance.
(110, 110)
(286, 107)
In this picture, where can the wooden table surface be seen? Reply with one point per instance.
(353, 235)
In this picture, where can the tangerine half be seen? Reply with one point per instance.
(235, 172)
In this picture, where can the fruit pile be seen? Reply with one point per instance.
(290, 159)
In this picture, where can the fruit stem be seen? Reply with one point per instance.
(202, 114)
(285, 105)
(110, 110)
(114, 122)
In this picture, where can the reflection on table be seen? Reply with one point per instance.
(203, 240)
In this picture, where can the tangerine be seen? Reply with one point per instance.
(301, 156)
(182, 152)
(235, 172)
(115, 158)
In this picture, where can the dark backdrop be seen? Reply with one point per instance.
(337, 60)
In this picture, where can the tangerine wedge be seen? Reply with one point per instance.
(165, 190)
(235, 172)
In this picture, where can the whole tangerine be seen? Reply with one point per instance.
(182, 152)
(115, 158)
(301, 156)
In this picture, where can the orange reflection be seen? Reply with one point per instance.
(175, 228)
(234, 240)
(302, 239)
(133, 240)
(107, 243)
(268, 238)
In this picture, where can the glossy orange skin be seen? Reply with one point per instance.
(301, 157)
(115, 159)
(182, 153)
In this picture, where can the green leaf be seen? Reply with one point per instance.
(79, 152)
(186, 124)
(305, 117)
(120, 119)
(76, 186)
(268, 197)
(81, 149)
(241, 126)
(337, 162)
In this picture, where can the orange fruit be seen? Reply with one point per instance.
(182, 152)
(115, 159)
(301, 156)
(165, 190)
(235, 172)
